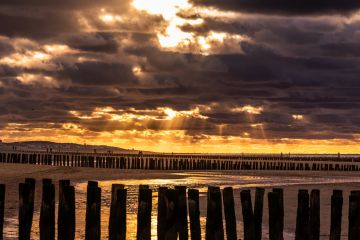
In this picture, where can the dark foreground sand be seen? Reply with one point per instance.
(12, 174)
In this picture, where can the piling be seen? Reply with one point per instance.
(93, 208)
(117, 218)
(275, 221)
(229, 211)
(66, 224)
(61, 209)
(194, 214)
(182, 224)
(336, 214)
(2, 208)
(314, 218)
(354, 215)
(214, 224)
(248, 215)
(302, 218)
(24, 211)
(172, 214)
(258, 212)
(280, 191)
(162, 213)
(47, 212)
(144, 213)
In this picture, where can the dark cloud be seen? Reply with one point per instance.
(100, 73)
(287, 67)
(285, 7)
(43, 25)
(93, 42)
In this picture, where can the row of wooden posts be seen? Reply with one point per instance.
(174, 208)
(162, 163)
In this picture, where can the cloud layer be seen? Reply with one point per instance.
(182, 75)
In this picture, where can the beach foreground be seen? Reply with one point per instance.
(13, 174)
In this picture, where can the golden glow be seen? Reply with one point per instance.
(137, 70)
(30, 79)
(297, 117)
(36, 59)
(174, 38)
(248, 109)
(129, 115)
(174, 140)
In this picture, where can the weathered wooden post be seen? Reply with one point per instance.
(117, 223)
(194, 214)
(2, 208)
(275, 228)
(144, 213)
(280, 191)
(258, 212)
(171, 231)
(302, 219)
(229, 211)
(24, 211)
(47, 212)
(162, 213)
(248, 215)
(31, 182)
(314, 220)
(354, 215)
(336, 215)
(214, 224)
(61, 206)
(117, 218)
(93, 206)
(182, 224)
(66, 217)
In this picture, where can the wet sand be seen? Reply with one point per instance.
(12, 174)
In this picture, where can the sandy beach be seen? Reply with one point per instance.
(13, 174)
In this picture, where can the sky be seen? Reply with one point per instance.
(183, 75)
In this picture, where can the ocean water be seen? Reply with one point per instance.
(200, 180)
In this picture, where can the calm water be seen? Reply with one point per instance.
(199, 180)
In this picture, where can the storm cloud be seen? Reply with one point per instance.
(202, 72)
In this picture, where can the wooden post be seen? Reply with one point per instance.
(31, 182)
(162, 213)
(117, 213)
(61, 208)
(229, 210)
(258, 212)
(171, 231)
(336, 214)
(144, 213)
(354, 215)
(280, 191)
(194, 214)
(66, 221)
(302, 219)
(2, 207)
(214, 224)
(47, 212)
(314, 220)
(93, 206)
(24, 211)
(275, 228)
(248, 215)
(182, 224)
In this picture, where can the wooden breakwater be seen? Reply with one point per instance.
(182, 161)
(178, 215)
